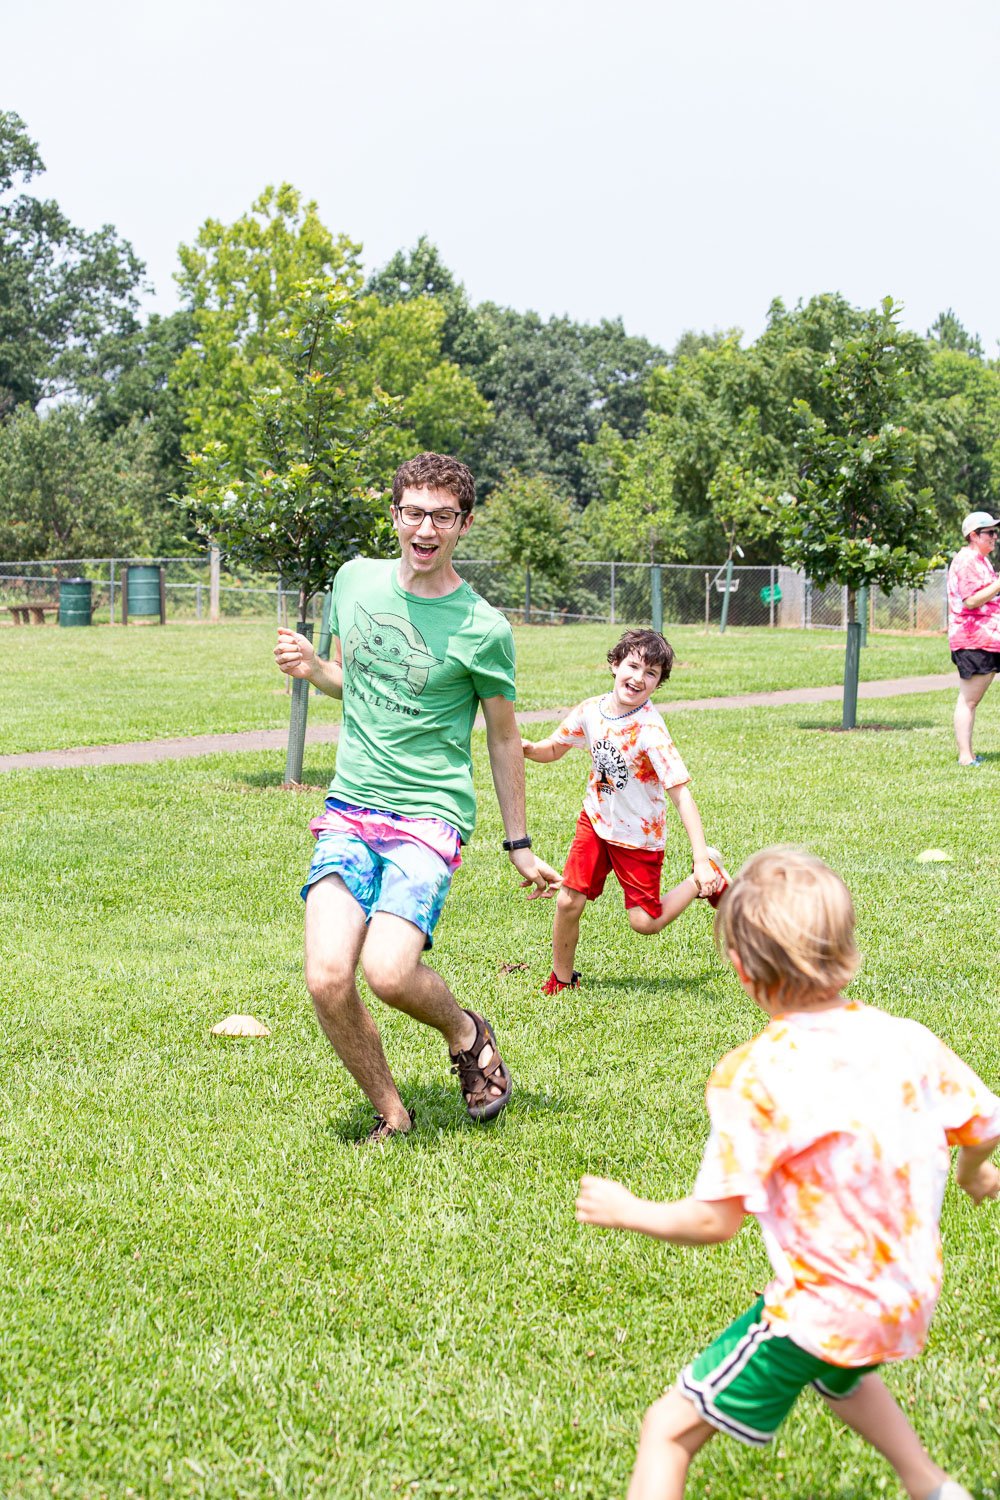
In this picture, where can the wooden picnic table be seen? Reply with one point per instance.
(32, 614)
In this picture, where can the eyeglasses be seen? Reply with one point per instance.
(441, 520)
(989, 530)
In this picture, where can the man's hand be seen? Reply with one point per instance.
(604, 1203)
(295, 655)
(536, 872)
(706, 877)
(981, 1183)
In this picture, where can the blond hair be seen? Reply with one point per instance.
(790, 920)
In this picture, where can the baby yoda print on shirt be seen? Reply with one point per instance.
(388, 660)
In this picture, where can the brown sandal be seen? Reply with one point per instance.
(477, 1078)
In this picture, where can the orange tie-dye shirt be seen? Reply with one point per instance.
(633, 759)
(834, 1127)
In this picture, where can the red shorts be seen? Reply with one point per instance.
(636, 870)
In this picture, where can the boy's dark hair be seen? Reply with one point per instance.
(650, 645)
(436, 471)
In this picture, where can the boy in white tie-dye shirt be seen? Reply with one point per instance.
(833, 1128)
(635, 768)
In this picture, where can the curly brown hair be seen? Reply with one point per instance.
(650, 645)
(436, 471)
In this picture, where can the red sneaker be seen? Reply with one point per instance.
(554, 984)
(715, 860)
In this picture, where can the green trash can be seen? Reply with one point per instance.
(142, 592)
(75, 601)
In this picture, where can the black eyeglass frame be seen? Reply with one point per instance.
(438, 525)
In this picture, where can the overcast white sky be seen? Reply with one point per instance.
(675, 162)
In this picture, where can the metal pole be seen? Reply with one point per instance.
(612, 593)
(708, 600)
(213, 585)
(656, 596)
(770, 611)
(197, 601)
(297, 717)
(111, 592)
(527, 595)
(724, 621)
(852, 662)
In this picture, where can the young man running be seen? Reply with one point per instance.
(415, 652)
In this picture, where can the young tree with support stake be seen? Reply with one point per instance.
(310, 498)
(855, 518)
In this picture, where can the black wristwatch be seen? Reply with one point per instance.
(511, 844)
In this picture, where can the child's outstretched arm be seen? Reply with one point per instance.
(976, 1174)
(687, 810)
(543, 750)
(689, 1221)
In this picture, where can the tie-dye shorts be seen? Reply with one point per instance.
(387, 861)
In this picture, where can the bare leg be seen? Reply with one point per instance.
(566, 931)
(672, 1433)
(394, 968)
(335, 933)
(970, 692)
(873, 1412)
(673, 903)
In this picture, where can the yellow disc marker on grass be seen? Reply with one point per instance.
(934, 857)
(240, 1026)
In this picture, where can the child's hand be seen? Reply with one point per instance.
(528, 748)
(706, 877)
(981, 1183)
(603, 1202)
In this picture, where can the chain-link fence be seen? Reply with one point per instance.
(613, 593)
(36, 586)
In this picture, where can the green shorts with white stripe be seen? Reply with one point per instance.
(747, 1381)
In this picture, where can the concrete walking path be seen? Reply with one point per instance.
(144, 752)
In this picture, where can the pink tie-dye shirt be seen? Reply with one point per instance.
(633, 759)
(972, 629)
(834, 1127)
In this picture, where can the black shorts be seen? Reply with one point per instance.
(976, 663)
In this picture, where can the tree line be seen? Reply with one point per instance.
(129, 435)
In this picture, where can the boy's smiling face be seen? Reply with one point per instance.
(635, 682)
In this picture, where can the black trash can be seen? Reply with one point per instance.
(75, 601)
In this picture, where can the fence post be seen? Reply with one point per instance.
(612, 593)
(197, 601)
(708, 600)
(111, 592)
(213, 585)
(724, 619)
(527, 595)
(770, 607)
(656, 596)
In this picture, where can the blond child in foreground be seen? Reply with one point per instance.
(833, 1128)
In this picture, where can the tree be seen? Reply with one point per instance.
(856, 519)
(947, 332)
(312, 497)
(238, 282)
(61, 290)
(66, 491)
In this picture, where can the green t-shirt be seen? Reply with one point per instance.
(414, 671)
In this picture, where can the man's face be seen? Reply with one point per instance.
(425, 547)
(985, 539)
(635, 680)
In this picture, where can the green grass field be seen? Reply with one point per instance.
(210, 1292)
(60, 688)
